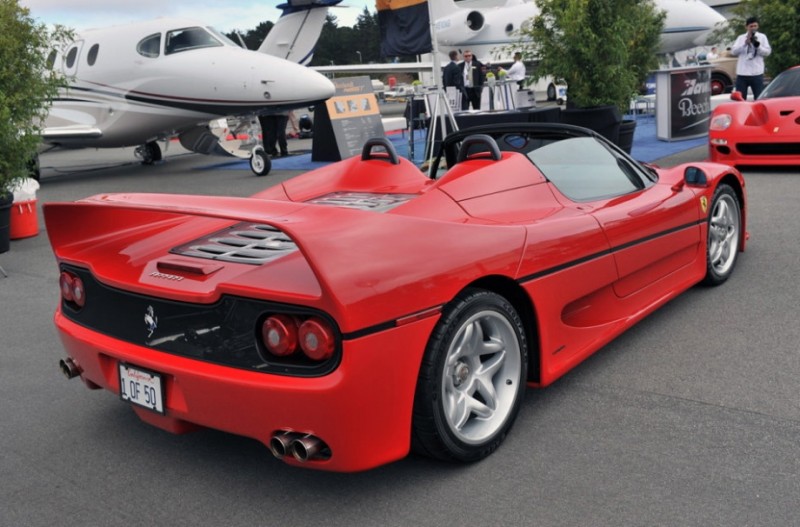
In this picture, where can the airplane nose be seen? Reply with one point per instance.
(297, 83)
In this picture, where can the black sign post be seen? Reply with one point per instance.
(346, 121)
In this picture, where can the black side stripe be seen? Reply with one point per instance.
(383, 326)
(612, 250)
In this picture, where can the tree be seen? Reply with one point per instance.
(779, 20)
(253, 37)
(28, 85)
(603, 49)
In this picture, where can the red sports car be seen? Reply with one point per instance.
(761, 132)
(363, 309)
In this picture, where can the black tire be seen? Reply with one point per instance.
(551, 92)
(720, 84)
(724, 235)
(260, 162)
(477, 357)
(150, 153)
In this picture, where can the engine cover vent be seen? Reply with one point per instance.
(248, 243)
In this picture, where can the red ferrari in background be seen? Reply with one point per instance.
(361, 310)
(762, 132)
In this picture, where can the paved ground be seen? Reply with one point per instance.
(690, 418)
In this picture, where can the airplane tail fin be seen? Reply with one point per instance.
(295, 34)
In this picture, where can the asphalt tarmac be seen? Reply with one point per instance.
(690, 418)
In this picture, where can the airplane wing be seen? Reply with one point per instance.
(295, 34)
(389, 67)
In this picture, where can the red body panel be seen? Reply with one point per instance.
(590, 270)
(764, 132)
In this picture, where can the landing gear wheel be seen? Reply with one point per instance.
(150, 153)
(472, 379)
(724, 233)
(551, 92)
(260, 162)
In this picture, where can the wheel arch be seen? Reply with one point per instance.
(733, 182)
(523, 304)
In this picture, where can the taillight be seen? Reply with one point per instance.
(72, 289)
(279, 333)
(316, 339)
(282, 335)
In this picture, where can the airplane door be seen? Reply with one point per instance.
(71, 59)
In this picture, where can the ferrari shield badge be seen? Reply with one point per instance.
(704, 203)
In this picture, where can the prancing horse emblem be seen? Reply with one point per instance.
(151, 320)
(704, 204)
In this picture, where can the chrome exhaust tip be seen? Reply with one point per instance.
(69, 368)
(306, 447)
(280, 443)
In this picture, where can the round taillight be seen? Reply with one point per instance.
(78, 292)
(65, 283)
(279, 333)
(316, 339)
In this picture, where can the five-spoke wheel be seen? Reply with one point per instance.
(472, 378)
(724, 232)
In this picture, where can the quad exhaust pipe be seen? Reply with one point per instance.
(302, 447)
(69, 368)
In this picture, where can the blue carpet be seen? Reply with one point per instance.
(646, 147)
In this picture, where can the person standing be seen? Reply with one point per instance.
(751, 48)
(472, 72)
(516, 72)
(451, 75)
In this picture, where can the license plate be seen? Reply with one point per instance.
(141, 387)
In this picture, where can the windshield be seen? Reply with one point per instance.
(583, 169)
(189, 38)
(787, 84)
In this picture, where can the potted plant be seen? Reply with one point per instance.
(27, 86)
(417, 85)
(603, 51)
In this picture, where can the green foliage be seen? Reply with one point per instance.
(779, 20)
(603, 49)
(27, 87)
(253, 37)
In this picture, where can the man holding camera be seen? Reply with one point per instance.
(751, 48)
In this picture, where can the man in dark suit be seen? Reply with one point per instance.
(452, 75)
(472, 72)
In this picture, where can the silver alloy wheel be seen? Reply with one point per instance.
(723, 234)
(480, 376)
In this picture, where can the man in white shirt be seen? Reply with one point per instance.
(751, 48)
(516, 72)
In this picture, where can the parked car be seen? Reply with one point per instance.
(761, 132)
(363, 309)
(723, 74)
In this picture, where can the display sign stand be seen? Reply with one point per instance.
(346, 121)
(683, 102)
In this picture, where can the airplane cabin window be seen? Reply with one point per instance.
(189, 38)
(51, 59)
(150, 46)
(71, 56)
(91, 57)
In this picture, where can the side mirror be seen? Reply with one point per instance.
(695, 177)
(736, 96)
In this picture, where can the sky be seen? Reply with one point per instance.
(225, 16)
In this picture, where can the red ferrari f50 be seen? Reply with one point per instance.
(366, 297)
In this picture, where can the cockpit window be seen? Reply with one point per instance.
(91, 57)
(190, 38)
(71, 56)
(150, 46)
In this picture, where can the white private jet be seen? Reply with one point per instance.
(488, 30)
(139, 83)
